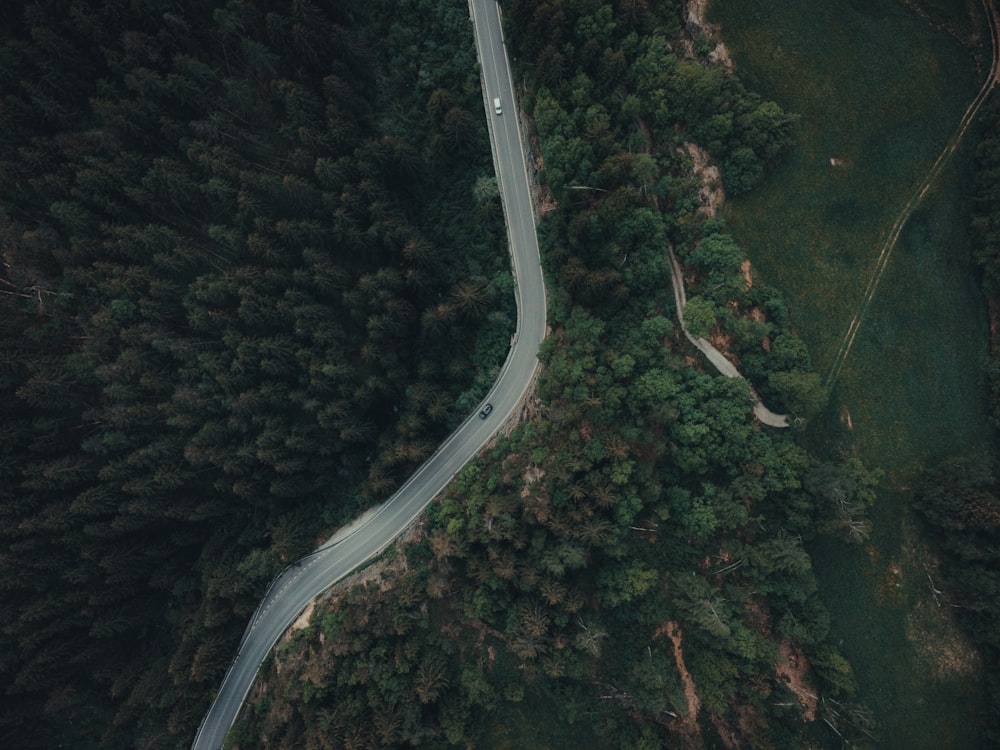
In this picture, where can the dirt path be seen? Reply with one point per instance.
(690, 721)
(885, 253)
(717, 358)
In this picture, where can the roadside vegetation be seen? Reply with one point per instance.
(629, 564)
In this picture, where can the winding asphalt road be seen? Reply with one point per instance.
(291, 592)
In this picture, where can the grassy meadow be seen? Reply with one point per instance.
(879, 89)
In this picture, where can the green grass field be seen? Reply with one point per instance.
(873, 92)
(879, 90)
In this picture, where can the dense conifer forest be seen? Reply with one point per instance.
(253, 271)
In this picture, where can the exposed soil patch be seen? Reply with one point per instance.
(845, 417)
(697, 26)
(711, 195)
(688, 723)
(532, 407)
(793, 667)
(942, 650)
(722, 341)
(532, 475)
(303, 621)
(541, 196)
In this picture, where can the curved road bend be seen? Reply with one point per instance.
(292, 591)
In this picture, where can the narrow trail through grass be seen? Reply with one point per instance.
(885, 252)
(865, 227)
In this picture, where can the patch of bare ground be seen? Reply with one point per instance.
(532, 408)
(711, 194)
(889, 586)
(845, 417)
(384, 571)
(793, 667)
(722, 341)
(754, 313)
(303, 621)
(940, 646)
(541, 196)
(747, 276)
(697, 26)
(687, 724)
(534, 497)
(757, 315)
